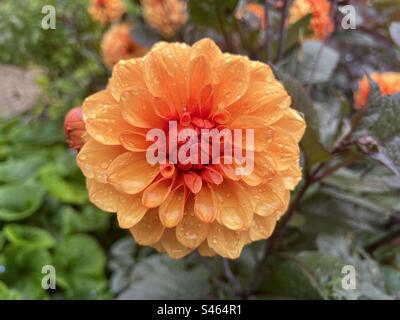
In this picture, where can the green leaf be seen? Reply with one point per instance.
(20, 201)
(294, 35)
(53, 178)
(23, 270)
(318, 62)
(313, 148)
(7, 294)
(28, 236)
(381, 120)
(19, 169)
(89, 219)
(288, 277)
(159, 277)
(392, 280)
(370, 282)
(206, 12)
(80, 264)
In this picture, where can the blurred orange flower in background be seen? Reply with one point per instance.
(74, 128)
(106, 11)
(167, 16)
(117, 44)
(321, 23)
(179, 208)
(251, 10)
(388, 82)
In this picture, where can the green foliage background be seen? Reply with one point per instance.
(46, 218)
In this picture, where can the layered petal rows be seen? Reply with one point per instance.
(179, 208)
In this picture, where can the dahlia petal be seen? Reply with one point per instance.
(156, 193)
(134, 140)
(291, 176)
(262, 227)
(206, 48)
(265, 201)
(103, 118)
(284, 150)
(94, 158)
(172, 209)
(212, 175)
(193, 182)
(127, 74)
(166, 73)
(104, 196)
(225, 242)
(292, 123)
(231, 78)
(137, 108)
(131, 173)
(172, 246)
(149, 229)
(191, 231)
(205, 206)
(199, 76)
(206, 251)
(261, 72)
(234, 204)
(130, 210)
(264, 96)
(286, 197)
(164, 109)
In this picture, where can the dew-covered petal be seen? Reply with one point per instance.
(137, 108)
(265, 201)
(131, 173)
(206, 48)
(226, 242)
(291, 176)
(166, 73)
(135, 140)
(292, 123)
(149, 229)
(268, 97)
(172, 246)
(191, 231)
(199, 77)
(94, 158)
(130, 210)
(262, 227)
(193, 181)
(231, 79)
(103, 118)
(206, 251)
(127, 74)
(172, 209)
(156, 193)
(104, 196)
(234, 205)
(205, 205)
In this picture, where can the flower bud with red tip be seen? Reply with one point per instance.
(74, 128)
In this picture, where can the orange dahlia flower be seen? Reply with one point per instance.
(167, 16)
(74, 128)
(117, 44)
(321, 22)
(388, 82)
(182, 207)
(106, 11)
